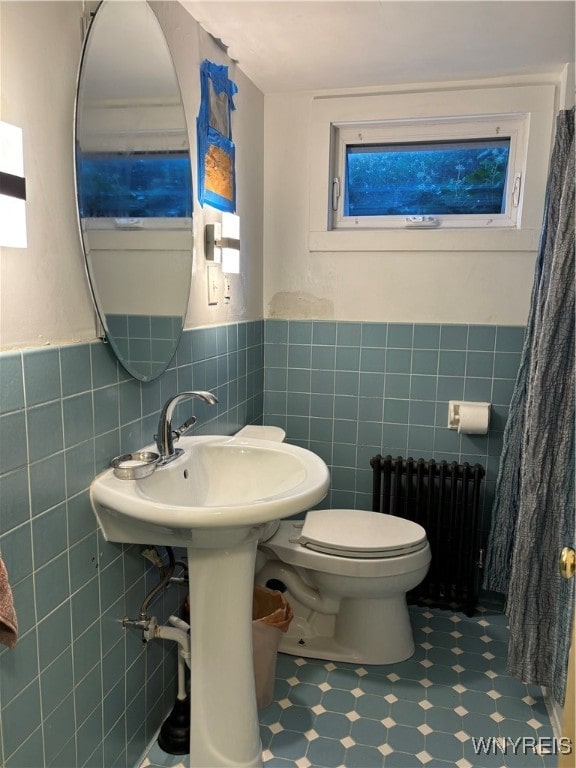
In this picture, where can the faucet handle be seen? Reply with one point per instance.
(186, 427)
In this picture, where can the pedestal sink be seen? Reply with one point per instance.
(215, 499)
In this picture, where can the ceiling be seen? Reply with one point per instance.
(299, 45)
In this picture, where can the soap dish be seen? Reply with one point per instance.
(134, 466)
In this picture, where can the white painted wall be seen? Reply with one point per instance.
(44, 295)
(471, 286)
(190, 45)
(44, 292)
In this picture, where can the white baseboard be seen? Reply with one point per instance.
(555, 711)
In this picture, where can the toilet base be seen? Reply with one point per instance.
(363, 632)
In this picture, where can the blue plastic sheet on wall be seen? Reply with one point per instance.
(216, 150)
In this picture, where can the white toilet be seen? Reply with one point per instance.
(346, 574)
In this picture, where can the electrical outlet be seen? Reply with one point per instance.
(213, 283)
(227, 288)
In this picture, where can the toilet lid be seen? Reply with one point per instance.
(355, 533)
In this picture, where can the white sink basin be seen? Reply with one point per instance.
(215, 499)
(218, 482)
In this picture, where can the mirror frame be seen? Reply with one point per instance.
(139, 267)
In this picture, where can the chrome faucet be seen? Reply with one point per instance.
(166, 435)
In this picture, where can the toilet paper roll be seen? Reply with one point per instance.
(474, 418)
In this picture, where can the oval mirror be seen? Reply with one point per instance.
(134, 185)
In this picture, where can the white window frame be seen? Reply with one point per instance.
(513, 127)
(528, 110)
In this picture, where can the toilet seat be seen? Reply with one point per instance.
(360, 534)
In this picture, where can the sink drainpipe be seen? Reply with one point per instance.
(174, 736)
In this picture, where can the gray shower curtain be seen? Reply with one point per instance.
(533, 513)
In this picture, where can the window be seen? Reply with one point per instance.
(453, 173)
(430, 178)
(437, 170)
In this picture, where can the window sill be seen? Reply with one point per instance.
(354, 240)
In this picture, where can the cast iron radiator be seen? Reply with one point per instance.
(444, 499)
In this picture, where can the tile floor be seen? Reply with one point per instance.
(431, 710)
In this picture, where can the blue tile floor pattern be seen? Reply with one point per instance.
(451, 704)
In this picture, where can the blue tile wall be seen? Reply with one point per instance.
(346, 390)
(78, 690)
(350, 390)
(145, 340)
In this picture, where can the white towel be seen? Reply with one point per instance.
(8, 620)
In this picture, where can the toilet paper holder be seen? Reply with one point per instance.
(454, 411)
